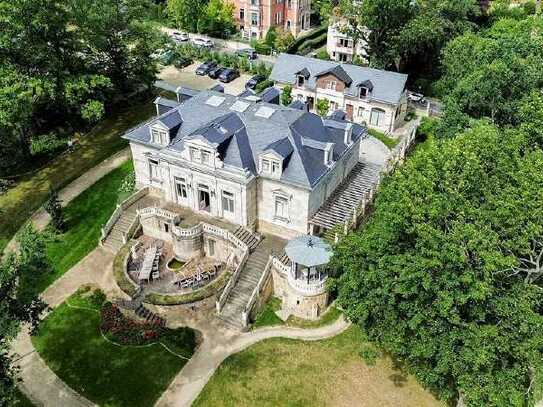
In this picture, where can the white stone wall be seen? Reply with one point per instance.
(298, 199)
(338, 52)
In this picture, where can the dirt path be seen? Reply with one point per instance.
(40, 218)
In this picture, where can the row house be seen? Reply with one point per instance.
(372, 97)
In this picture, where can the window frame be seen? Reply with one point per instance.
(154, 170)
(228, 202)
(281, 202)
(379, 114)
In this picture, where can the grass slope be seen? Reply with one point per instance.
(85, 216)
(70, 342)
(285, 372)
(19, 202)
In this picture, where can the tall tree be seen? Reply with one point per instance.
(20, 303)
(185, 13)
(438, 276)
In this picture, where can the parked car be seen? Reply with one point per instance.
(205, 68)
(247, 52)
(164, 57)
(254, 81)
(416, 98)
(228, 75)
(182, 62)
(202, 42)
(180, 36)
(215, 72)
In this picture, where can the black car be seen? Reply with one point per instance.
(205, 68)
(228, 75)
(215, 72)
(248, 53)
(254, 81)
(182, 62)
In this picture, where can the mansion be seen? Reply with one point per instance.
(259, 165)
(372, 97)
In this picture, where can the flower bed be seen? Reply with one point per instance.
(125, 331)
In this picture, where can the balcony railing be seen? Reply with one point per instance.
(313, 287)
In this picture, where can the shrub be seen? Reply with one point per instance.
(286, 95)
(54, 209)
(323, 54)
(300, 41)
(46, 143)
(309, 45)
(263, 85)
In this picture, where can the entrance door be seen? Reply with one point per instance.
(349, 112)
(204, 200)
(310, 102)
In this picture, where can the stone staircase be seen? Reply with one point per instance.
(348, 195)
(247, 237)
(114, 239)
(232, 310)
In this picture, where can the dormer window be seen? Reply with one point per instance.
(201, 156)
(159, 136)
(270, 167)
(364, 92)
(331, 85)
(301, 80)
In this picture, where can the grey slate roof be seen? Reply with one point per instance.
(240, 137)
(171, 119)
(309, 251)
(387, 86)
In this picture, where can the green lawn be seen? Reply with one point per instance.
(22, 400)
(21, 201)
(285, 372)
(70, 342)
(268, 317)
(85, 216)
(387, 141)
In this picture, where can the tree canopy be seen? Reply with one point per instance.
(437, 278)
(490, 74)
(61, 64)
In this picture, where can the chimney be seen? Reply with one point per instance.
(348, 135)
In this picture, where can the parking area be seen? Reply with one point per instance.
(188, 78)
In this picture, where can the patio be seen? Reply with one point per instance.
(192, 275)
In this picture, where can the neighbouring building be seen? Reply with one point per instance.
(255, 17)
(265, 167)
(368, 96)
(340, 46)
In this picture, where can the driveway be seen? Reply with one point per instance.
(187, 77)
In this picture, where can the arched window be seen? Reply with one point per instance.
(377, 117)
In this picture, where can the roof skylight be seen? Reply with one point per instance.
(240, 106)
(265, 112)
(215, 101)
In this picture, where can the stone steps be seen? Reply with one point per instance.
(247, 237)
(239, 297)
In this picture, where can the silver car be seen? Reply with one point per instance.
(180, 36)
(203, 42)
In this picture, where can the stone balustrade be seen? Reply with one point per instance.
(314, 287)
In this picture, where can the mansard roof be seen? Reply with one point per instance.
(242, 129)
(387, 86)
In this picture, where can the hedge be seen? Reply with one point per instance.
(319, 32)
(312, 44)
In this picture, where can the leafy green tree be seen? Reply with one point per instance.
(54, 209)
(218, 19)
(489, 74)
(20, 303)
(283, 40)
(286, 95)
(185, 14)
(322, 106)
(440, 277)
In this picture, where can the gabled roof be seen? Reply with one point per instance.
(388, 87)
(303, 72)
(241, 136)
(339, 73)
(366, 84)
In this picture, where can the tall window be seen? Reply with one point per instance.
(228, 201)
(275, 167)
(181, 188)
(360, 111)
(363, 92)
(301, 80)
(254, 18)
(242, 14)
(281, 207)
(377, 117)
(331, 85)
(211, 247)
(265, 166)
(154, 170)
(206, 157)
(194, 154)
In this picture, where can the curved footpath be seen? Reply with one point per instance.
(217, 346)
(40, 218)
